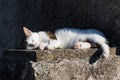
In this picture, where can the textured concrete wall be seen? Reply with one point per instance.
(103, 15)
(68, 64)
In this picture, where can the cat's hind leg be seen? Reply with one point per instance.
(82, 45)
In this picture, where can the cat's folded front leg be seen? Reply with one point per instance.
(53, 44)
(47, 47)
(50, 47)
(43, 46)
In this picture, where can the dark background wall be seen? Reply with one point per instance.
(37, 15)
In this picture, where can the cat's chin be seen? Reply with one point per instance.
(29, 48)
(35, 47)
(32, 48)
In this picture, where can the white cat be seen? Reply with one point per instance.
(66, 38)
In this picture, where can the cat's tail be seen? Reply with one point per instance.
(102, 42)
(105, 49)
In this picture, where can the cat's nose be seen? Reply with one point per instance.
(31, 45)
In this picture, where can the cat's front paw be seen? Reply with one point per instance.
(82, 45)
(42, 47)
(49, 47)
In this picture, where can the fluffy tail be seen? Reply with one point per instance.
(105, 49)
(103, 44)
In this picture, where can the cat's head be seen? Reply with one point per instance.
(32, 39)
(37, 39)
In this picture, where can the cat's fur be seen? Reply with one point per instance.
(66, 38)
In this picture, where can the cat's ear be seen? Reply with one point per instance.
(27, 31)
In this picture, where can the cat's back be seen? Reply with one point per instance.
(74, 31)
(67, 36)
(65, 32)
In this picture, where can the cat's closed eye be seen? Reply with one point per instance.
(32, 40)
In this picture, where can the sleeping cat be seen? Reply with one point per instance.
(66, 38)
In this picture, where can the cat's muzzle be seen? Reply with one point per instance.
(31, 45)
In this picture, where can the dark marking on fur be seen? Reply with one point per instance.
(51, 35)
(95, 45)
